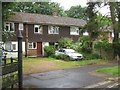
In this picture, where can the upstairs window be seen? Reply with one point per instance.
(32, 45)
(74, 30)
(21, 27)
(53, 30)
(38, 29)
(9, 27)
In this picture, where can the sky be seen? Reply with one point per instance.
(66, 4)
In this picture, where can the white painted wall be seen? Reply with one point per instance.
(43, 45)
(85, 33)
(23, 45)
(14, 54)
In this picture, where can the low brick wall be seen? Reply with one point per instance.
(32, 52)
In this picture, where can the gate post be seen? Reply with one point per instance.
(20, 73)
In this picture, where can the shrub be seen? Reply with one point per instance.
(85, 44)
(103, 45)
(50, 51)
(63, 57)
(65, 42)
(91, 56)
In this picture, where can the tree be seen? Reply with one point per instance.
(7, 11)
(65, 42)
(92, 24)
(77, 12)
(115, 14)
(103, 21)
(39, 7)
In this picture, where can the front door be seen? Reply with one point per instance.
(39, 48)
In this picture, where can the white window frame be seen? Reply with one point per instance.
(21, 26)
(10, 27)
(7, 24)
(32, 43)
(40, 30)
(15, 47)
(53, 30)
(74, 30)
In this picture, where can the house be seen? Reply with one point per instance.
(41, 30)
(106, 32)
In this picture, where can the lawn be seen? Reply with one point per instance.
(110, 70)
(36, 65)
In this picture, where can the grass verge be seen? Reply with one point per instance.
(110, 70)
(36, 65)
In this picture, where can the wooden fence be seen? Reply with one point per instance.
(9, 73)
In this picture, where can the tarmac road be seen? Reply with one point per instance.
(67, 78)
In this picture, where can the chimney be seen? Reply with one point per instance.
(54, 13)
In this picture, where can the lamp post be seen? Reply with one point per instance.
(20, 73)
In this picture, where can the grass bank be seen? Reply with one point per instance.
(110, 70)
(36, 65)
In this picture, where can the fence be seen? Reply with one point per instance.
(9, 73)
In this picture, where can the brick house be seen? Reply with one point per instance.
(41, 30)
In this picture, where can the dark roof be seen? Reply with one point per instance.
(46, 19)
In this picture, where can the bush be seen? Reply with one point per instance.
(65, 42)
(63, 57)
(103, 45)
(91, 56)
(85, 44)
(50, 51)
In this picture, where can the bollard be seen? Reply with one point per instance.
(20, 73)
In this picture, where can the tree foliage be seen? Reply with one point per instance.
(39, 7)
(65, 42)
(7, 11)
(115, 17)
(77, 12)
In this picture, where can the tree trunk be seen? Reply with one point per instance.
(115, 27)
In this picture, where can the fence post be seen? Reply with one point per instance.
(11, 59)
(20, 73)
(5, 60)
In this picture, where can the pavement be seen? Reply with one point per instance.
(83, 77)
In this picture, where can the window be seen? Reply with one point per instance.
(74, 30)
(12, 27)
(9, 27)
(13, 47)
(21, 26)
(38, 29)
(53, 30)
(32, 45)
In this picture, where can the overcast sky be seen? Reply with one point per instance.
(66, 4)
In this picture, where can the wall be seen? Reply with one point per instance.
(32, 52)
(43, 46)
(64, 32)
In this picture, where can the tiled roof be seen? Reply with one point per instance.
(46, 19)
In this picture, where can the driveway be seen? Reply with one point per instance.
(67, 78)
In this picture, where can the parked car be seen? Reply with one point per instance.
(72, 54)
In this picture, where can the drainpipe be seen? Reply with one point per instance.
(26, 40)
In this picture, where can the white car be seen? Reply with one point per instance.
(72, 54)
